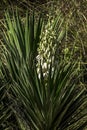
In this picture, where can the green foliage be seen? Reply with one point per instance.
(7, 117)
(18, 59)
(5, 111)
(52, 104)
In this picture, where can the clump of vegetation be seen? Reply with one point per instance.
(43, 60)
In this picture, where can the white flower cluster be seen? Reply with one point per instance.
(46, 48)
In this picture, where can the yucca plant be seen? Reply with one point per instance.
(57, 103)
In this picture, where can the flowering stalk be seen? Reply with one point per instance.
(47, 46)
